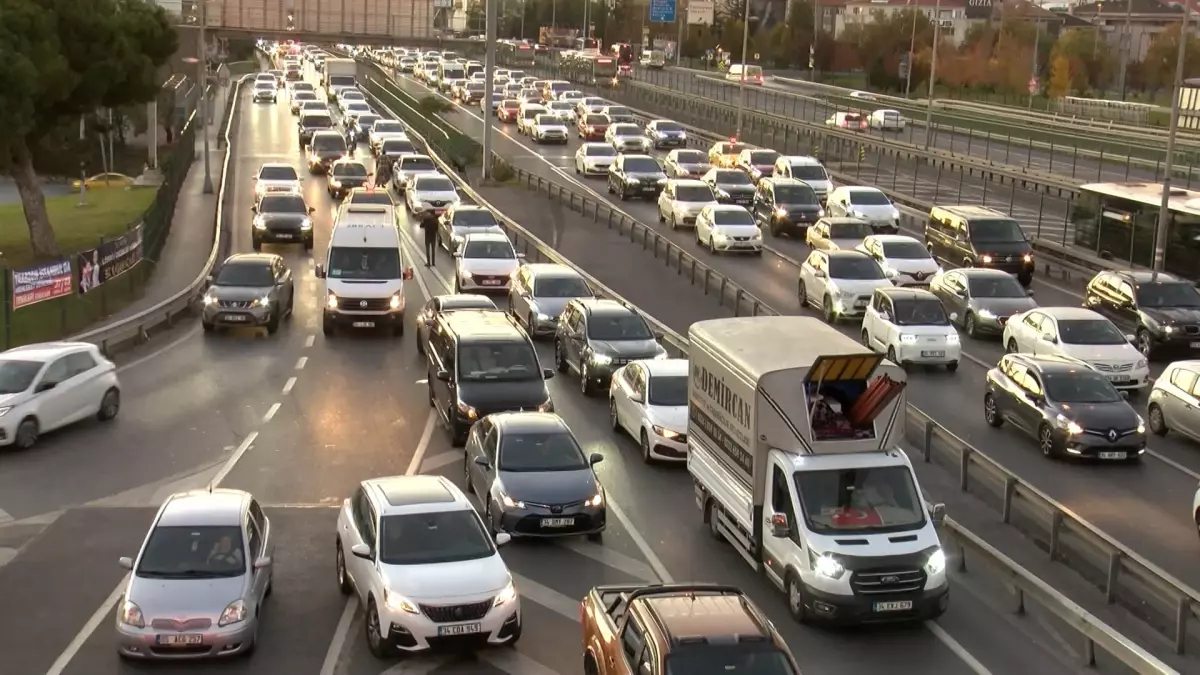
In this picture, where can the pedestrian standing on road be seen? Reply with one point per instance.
(429, 223)
(383, 172)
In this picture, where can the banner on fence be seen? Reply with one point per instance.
(109, 260)
(47, 281)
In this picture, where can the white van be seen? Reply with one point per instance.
(364, 271)
(754, 74)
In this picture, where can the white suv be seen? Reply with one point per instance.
(840, 283)
(424, 567)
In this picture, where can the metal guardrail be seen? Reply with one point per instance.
(136, 329)
(1025, 585)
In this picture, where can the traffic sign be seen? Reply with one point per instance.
(662, 11)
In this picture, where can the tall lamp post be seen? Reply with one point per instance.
(489, 67)
(1160, 235)
(742, 81)
(912, 46)
(937, 25)
(202, 60)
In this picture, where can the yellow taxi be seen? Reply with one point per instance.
(724, 154)
(105, 180)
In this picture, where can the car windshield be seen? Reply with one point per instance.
(996, 287)
(304, 96)
(905, 250)
(316, 122)
(435, 537)
(809, 172)
(600, 151)
(668, 390)
(249, 274)
(433, 184)
(691, 157)
(694, 193)
(474, 218)
(868, 198)
(763, 157)
(329, 142)
(17, 376)
(370, 197)
(1081, 386)
(497, 361)
(996, 231)
(278, 173)
(795, 194)
(625, 130)
(732, 217)
(510, 104)
(732, 177)
(475, 86)
(543, 451)
(854, 267)
(850, 230)
(349, 169)
(669, 126)
(388, 128)
(595, 120)
(919, 312)
(1089, 332)
(204, 552)
(561, 106)
(616, 327)
(489, 249)
(357, 109)
(417, 164)
(561, 287)
(367, 121)
(861, 500)
(641, 165)
(397, 146)
(548, 119)
(282, 204)
(618, 110)
(349, 262)
(1172, 294)
(727, 659)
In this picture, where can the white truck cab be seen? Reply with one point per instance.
(790, 446)
(364, 271)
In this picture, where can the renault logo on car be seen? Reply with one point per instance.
(1112, 435)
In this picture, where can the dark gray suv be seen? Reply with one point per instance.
(596, 337)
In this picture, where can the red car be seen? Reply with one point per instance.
(507, 110)
(593, 126)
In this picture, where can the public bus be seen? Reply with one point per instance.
(1119, 221)
(588, 44)
(517, 54)
(590, 69)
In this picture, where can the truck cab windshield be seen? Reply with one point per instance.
(863, 500)
(707, 659)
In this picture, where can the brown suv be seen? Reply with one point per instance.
(679, 628)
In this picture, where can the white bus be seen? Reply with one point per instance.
(1119, 221)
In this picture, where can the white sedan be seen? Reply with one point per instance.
(648, 400)
(549, 128)
(51, 385)
(1081, 334)
(904, 260)
(485, 261)
(430, 192)
(887, 120)
(911, 327)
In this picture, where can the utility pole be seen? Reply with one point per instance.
(741, 108)
(203, 88)
(812, 49)
(489, 67)
(912, 46)
(586, 6)
(1160, 235)
(1037, 38)
(1126, 47)
(937, 26)
(681, 19)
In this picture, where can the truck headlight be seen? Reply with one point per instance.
(260, 223)
(394, 303)
(827, 566)
(936, 563)
(331, 302)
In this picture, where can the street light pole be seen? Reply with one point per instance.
(937, 25)
(1160, 235)
(912, 46)
(742, 82)
(489, 67)
(1127, 45)
(202, 64)
(1037, 38)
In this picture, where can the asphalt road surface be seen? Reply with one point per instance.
(1147, 506)
(328, 413)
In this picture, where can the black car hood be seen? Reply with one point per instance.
(735, 187)
(351, 181)
(1002, 247)
(283, 218)
(549, 487)
(647, 175)
(1172, 316)
(800, 208)
(626, 349)
(1118, 415)
(498, 395)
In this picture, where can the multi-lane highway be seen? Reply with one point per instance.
(1146, 506)
(314, 417)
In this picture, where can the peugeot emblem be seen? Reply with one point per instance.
(890, 580)
(1112, 435)
(363, 303)
(458, 612)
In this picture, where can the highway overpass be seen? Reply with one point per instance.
(321, 21)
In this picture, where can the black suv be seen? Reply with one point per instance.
(1069, 408)
(636, 176)
(1163, 313)
(786, 206)
(976, 236)
(596, 337)
(482, 362)
(345, 175)
(282, 217)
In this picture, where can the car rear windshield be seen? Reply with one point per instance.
(282, 204)
(905, 250)
(254, 275)
(694, 193)
(17, 376)
(397, 146)
(595, 120)
(732, 148)
(489, 250)
(278, 173)
(854, 267)
(316, 122)
(304, 96)
(618, 110)
(548, 119)
(417, 164)
(382, 127)
(366, 121)
(732, 177)
(511, 361)
(189, 552)
(329, 142)
(626, 130)
(430, 538)
(669, 126)
(561, 287)
(350, 169)
(600, 151)
(545, 451)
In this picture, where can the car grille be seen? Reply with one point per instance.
(454, 613)
(439, 203)
(1113, 367)
(887, 581)
(364, 304)
(554, 508)
(181, 625)
(496, 280)
(740, 238)
(235, 304)
(1108, 434)
(283, 227)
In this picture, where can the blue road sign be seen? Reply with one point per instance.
(662, 11)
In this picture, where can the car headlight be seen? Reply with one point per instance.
(260, 223)
(908, 339)
(781, 213)
(209, 300)
(543, 317)
(1072, 428)
(394, 303)
(601, 359)
(634, 181)
(987, 259)
(399, 603)
(506, 595)
(470, 411)
(1141, 427)
(333, 182)
(261, 302)
(986, 314)
(1028, 257)
(597, 499)
(820, 213)
(1167, 329)
(665, 432)
(332, 301)
(235, 612)
(936, 564)
(510, 502)
(1142, 363)
(4, 410)
(952, 338)
(131, 615)
(825, 565)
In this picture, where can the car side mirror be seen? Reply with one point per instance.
(262, 563)
(45, 386)
(312, 209)
(483, 462)
(125, 562)
(503, 538)
(954, 316)
(443, 375)
(1124, 394)
(1050, 338)
(1028, 292)
(937, 513)
(595, 458)
(407, 275)
(319, 270)
(1131, 338)
(520, 256)
(547, 373)
(253, 209)
(362, 551)
(254, 179)
(780, 528)
(658, 335)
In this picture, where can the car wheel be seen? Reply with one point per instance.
(1011, 347)
(468, 486)
(291, 306)
(674, 223)
(866, 339)
(827, 311)
(795, 599)
(613, 417)
(891, 356)
(1046, 441)
(256, 244)
(380, 648)
(952, 366)
(802, 293)
(343, 579)
(714, 526)
(712, 248)
(1145, 344)
(27, 434)
(208, 327)
(991, 414)
(398, 328)
(661, 217)
(645, 442)
(488, 520)
(110, 405)
(1158, 421)
(970, 327)
(967, 262)
(328, 329)
(585, 380)
(273, 322)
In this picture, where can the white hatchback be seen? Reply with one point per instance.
(484, 262)
(49, 385)
(430, 192)
(911, 327)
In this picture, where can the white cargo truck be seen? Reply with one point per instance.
(790, 446)
(338, 74)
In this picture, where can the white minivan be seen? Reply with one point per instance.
(364, 271)
(754, 74)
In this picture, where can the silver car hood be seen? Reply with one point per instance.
(239, 292)
(184, 598)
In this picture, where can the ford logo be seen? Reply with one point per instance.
(363, 303)
(1112, 435)
(890, 580)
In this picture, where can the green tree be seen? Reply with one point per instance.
(1162, 55)
(64, 59)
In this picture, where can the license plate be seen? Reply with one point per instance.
(558, 522)
(236, 318)
(179, 640)
(648, 188)
(860, 304)
(460, 629)
(363, 324)
(932, 354)
(897, 606)
(283, 235)
(491, 282)
(1119, 378)
(1112, 455)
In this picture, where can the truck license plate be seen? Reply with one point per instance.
(1196, 345)
(236, 318)
(558, 522)
(363, 324)
(460, 629)
(1112, 455)
(933, 354)
(897, 606)
(179, 640)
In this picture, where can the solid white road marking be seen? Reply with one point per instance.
(102, 613)
(160, 351)
(611, 558)
(271, 412)
(514, 662)
(5, 517)
(422, 445)
(651, 557)
(287, 387)
(959, 651)
(422, 665)
(308, 342)
(339, 637)
(546, 597)
(233, 459)
(438, 461)
(301, 362)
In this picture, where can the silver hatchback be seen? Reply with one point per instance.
(197, 586)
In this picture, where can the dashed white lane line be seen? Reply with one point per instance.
(271, 412)
(960, 651)
(310, 340)
(301, 362)
(287, 387)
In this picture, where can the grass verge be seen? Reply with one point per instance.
(418, 114)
